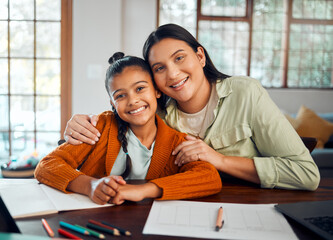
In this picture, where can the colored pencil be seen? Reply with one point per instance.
(74, 228)
(115, 230)
(68, 234)
(47, 228)
(102, 229)
(92, 232)
(122, 231)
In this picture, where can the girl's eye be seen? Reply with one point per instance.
(119, 96)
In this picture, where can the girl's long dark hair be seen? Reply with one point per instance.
(177, 32)
(118, 62)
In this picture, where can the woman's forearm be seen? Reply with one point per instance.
(239, 167)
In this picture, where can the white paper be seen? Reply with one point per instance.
(26, 198)
(197, 219)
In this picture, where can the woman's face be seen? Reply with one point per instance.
(133, 95)
(178, 70)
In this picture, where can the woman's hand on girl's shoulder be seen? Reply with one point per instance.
(82, 129)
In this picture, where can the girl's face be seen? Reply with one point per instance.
(133, 95)
(178, 70)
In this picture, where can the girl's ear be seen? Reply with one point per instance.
(158, 93)
(201, 56)
(113, 108)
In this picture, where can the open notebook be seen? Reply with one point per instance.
(27, 198)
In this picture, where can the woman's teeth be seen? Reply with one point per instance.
(179, 84)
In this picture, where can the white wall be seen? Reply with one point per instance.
(103, 27)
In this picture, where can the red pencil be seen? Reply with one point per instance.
(67, 234)
(47, 228)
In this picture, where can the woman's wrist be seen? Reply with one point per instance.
(81, 184)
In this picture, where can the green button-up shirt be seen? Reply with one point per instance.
(247, 123)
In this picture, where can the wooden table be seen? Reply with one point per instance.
(132, 216)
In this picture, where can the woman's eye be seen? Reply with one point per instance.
(179, 58)
(139, 89)
(159, 69)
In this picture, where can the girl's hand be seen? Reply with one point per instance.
(195, 149)
(136, 193)
(81, 128)
(104, 189)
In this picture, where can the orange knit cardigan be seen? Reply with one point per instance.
(195, 179)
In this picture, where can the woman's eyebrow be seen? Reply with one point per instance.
(179, 50)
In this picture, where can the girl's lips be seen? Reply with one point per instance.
(138, 110)
(180, 83)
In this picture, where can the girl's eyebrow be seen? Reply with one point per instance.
(138, 82)
(179, 50)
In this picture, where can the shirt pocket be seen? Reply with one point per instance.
(231, 137)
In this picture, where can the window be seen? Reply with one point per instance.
(282, 43)
(34, 35)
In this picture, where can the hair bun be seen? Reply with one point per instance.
(115, 57)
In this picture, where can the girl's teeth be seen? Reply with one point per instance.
(137, 110)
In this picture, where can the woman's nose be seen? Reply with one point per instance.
(173, 71)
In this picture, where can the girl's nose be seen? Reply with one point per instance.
(133, 99)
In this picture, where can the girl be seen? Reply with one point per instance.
(233, 122)
(134, 143)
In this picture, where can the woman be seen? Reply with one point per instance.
(233, 122)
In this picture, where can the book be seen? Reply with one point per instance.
(28, 198)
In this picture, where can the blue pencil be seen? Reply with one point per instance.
(74, 228)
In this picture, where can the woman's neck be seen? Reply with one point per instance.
(146, 134)
(199, 99)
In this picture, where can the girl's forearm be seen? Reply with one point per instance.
(81, 184)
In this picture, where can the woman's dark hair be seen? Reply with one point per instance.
(118, 62)
(177, 32)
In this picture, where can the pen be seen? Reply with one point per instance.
(74, 228)
(219, 221)
(47, 228)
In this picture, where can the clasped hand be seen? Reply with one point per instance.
(114, 189)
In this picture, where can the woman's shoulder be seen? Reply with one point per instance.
(244, 85)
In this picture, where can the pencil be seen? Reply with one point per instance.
(102, 229)
(47, 228)
(67, 234)
(219, 221)
(122, 231)
(115, 230)
(92, 232)
(74, 228)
